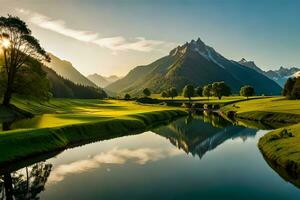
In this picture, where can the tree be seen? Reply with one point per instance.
(188, 91)
(247, 91)
(199, 91)
(220, 89)
(18, 46)
(288, 87)
(207, 91)
(127, 97)
(295, 94)
(164, 94)
(146, 92)
(173, 92)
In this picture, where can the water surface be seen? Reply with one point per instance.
(190, 158)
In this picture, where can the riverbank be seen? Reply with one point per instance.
(281, 146)
(60, 124)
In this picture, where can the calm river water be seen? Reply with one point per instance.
(191, 158)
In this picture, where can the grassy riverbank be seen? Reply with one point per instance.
(275, 109)
(281, 146)
(72, 122)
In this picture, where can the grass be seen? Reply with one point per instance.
(275, 109)
(66, 123)
(281, 146)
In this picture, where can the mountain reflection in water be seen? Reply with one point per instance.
(201, 133)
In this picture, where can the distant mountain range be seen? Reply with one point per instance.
(193, 63)
(102, 81)
(66, 70)
(280, 76)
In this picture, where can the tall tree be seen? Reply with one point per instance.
(164, 94)
(207, 91)
(199, 91)
(295, 94)
(288, 87)
(146, 92)
(220, 89)
(188, 91)
(247, 91)
(173, 92)
(127, 97)
(18, 46)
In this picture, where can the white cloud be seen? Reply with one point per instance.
(115, 156)
(115, 44)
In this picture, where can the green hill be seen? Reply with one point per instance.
(192, 63)
(68, 71)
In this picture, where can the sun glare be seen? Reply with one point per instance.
(5, 43)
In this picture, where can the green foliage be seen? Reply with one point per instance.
(164, 94)
(146, 92)
(288, 87)
(247, 91)
(220, 89)
(296, 89)
(30, 81)
(188, 91)
(172, 92)
(199, 91)
(127, 97)
(18, 47)
(207, 91)
(292, 88)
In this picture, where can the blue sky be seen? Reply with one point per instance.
(112, 37)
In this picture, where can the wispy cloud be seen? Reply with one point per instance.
(118, 43)
(115, 156)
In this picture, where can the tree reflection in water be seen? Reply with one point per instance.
(198, 134)
(26, 183)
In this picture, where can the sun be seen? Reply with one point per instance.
(5, 43)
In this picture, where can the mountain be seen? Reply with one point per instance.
(64, 88)
(251, 65)
(66, 70)
(102, 81)
(192, 63)
(279, 76)
(282, 74)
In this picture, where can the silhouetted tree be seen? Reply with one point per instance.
(220, 89)
(146, 92)
(127, 97)
(173, 92)
(188, 91)
(296, 89)
(288, 87)
(164, 94)
(199, 91)
(247, 91)
(18, 46)
(207, 91)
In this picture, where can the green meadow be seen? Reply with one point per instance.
(62, 123)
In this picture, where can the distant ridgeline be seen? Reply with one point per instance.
(64, 88)
(36, 79)
(197, 64)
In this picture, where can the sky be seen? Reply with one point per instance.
(112, 37)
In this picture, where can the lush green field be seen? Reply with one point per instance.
(275, 109)
(281, 146)
(61, 112)
(68, 122)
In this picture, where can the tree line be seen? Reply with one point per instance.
(215, 89)
(292, 88)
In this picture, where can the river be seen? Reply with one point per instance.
(200, 157)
